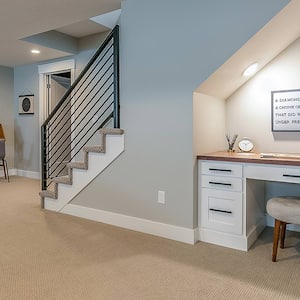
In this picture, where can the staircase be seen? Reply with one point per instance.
(70, 159)
(80, 174)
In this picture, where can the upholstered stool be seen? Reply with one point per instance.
(285, 210)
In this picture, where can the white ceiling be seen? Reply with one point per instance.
(82, 29)
(22, 19)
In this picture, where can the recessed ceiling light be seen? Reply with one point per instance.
(35, 51)
(250, 70)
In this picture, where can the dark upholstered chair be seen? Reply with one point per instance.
(3, 161)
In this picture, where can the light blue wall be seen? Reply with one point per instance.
(27, 127)
(7, 112)
(26, 81)
(167, 49)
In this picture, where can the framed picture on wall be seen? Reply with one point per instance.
(286, 110)
(26, 104)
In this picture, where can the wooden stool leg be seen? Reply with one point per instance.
(276, 239)
(282, 234)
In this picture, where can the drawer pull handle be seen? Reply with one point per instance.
(219, 183)
(220, 170)
(289, 175)
(221, 210)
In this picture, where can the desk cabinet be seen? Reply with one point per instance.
(225, 216)
(231, 195)
(220, 207)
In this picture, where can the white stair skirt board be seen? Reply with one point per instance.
(172, 232)
(81, 178)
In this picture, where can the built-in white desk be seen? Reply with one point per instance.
(231, 195)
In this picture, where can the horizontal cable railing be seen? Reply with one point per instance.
(89, 104)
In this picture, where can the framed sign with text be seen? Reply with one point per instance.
(286, 110)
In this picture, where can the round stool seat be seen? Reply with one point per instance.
(285, 209)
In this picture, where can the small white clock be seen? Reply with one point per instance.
(246, 145)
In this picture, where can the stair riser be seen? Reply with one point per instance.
(81, 178)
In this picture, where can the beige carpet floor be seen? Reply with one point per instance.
(45, 255)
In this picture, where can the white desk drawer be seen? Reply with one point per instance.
(221, 211)
(222, 183)
(273, 173)
(221, 169)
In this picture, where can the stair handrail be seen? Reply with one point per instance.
(113, 35)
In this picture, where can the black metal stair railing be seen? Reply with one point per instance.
(89, 104)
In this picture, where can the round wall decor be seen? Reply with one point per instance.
(26, 104)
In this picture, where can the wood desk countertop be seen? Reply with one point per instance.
(251, 157)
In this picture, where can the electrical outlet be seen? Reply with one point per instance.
(161, 197)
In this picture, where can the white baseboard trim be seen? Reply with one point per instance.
(29, 174)
(172, 232)
(11, 172)
(24, 173)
